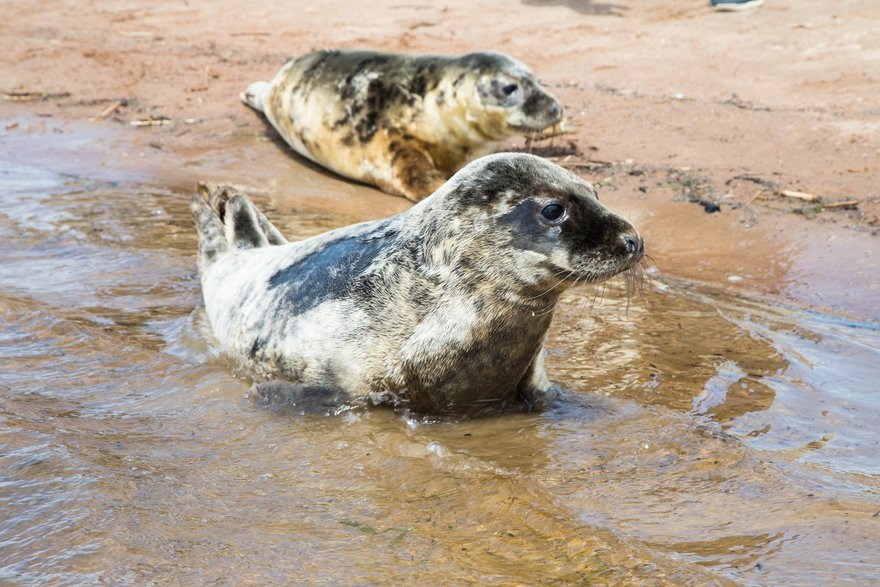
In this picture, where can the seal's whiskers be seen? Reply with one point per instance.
(568, 275)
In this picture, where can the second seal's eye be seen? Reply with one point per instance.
(553, 211)
(509, 89)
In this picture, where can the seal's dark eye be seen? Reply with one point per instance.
(553, 211)
(509, 89)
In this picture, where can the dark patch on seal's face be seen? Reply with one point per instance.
(529, 107)
(595, 243)
(539, 104)
(336, 271)
(572, 219)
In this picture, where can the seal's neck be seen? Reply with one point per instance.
(454, 119)
(456, 261)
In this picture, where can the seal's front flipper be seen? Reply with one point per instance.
(538, 400)
(536, 391)
(288, 396)
(415, 175)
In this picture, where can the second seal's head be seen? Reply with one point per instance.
(511, 96)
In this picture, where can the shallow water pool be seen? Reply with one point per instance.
(704, 438)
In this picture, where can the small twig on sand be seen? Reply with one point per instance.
(151, 121)
(28, 96)
(576, 164)
(799, 195)
(757, 195)
(754, 179)
(111, 109)
(844, 204)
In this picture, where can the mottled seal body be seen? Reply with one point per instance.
(443, 307)
(405, 123)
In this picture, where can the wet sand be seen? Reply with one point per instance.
(719, 429)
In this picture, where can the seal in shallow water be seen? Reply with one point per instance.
(443, 307)
(404, 123)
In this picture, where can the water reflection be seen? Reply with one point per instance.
(672, 350)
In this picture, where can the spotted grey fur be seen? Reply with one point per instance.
(402, 122)
(443, 308)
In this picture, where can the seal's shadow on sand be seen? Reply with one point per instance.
(281, 144)
(582, 6)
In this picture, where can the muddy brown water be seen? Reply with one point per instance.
(704, 438)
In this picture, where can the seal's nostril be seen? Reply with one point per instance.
(553, 110)
(631, 244)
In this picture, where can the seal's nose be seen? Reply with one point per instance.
(633, 244)
(554, 110)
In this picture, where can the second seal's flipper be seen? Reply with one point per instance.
(255, 96)
(415, 176)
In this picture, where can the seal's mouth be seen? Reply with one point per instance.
(593, 276)
(598, 265)
(630, 263)
(629, 268)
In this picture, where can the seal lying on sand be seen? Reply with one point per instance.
(404, 123)
(443, 308)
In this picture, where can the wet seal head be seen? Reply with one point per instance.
(403, 122)
(549, 222)
(442, 309)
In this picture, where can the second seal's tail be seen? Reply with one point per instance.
(255, 95)
(228, 221)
